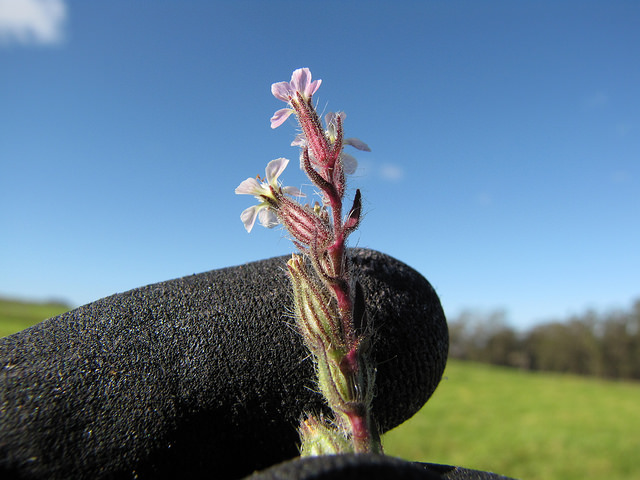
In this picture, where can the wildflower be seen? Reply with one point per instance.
(300, 87)
(300, 83)
(269, 194)
(328, 314)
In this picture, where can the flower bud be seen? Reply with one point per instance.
(316, 312)
(307, 226)
(322, 438)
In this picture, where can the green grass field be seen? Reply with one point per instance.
(17, 315)
(531, 426)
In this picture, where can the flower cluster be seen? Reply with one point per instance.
(329, 305)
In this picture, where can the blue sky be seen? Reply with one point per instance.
(505, 139)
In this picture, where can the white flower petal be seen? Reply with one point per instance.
(248, 217)
(329, 118)
(268, 218)
(357, 143)
(293, 191)
(250, 186)
(274, 169)
(349, 163)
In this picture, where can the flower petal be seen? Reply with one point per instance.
(312, 88)
(268, 218)
(357, 143)
(301, 82)
(282, 91)
(293, 191)
(274, 169)
(248, 217)
(280, 116)
(330, 118)
(250, 186)
(349, 163)
(300, 79)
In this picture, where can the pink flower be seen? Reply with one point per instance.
(300, 82)
(268, 193)
(288, 92)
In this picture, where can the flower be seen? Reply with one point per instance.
(349, 163)
(288, 92)
(300, 82)
(331, 121)
(268, 193)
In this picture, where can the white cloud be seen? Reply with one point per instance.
(391, 172)
(32, 21)
(388, 172)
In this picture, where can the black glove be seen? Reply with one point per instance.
(200, 377)
(367, 467)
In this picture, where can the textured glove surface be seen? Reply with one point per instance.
(201, 376)
(367, 467)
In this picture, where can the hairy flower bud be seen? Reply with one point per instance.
(307, 225)
(322, 438)
(315, 310)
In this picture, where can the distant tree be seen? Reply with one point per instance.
(588, 344)
(482, 337)
(569, 347)
(621, 344)
(505, 348)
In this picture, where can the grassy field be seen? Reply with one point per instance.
(531, 426)
(17, 315)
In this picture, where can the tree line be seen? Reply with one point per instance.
(600, 344)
